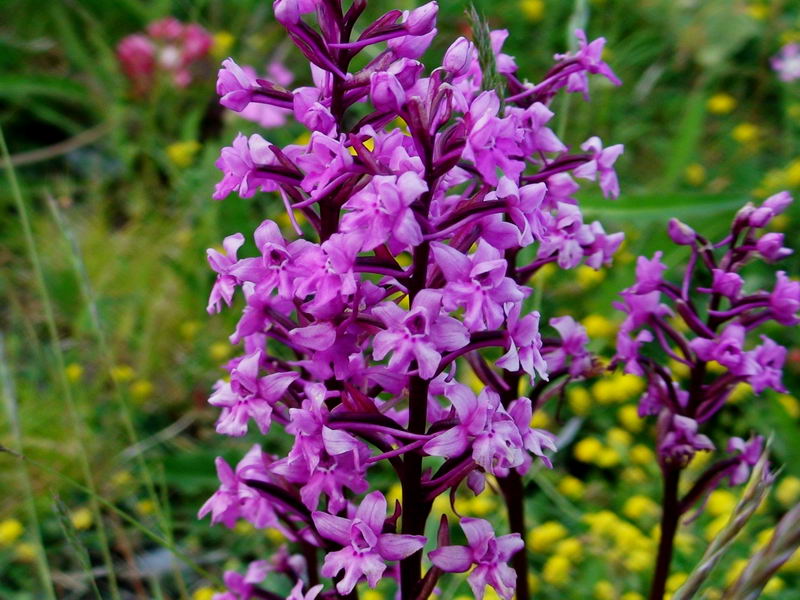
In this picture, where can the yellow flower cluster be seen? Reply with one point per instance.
(621, 541)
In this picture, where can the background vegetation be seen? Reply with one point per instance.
(108, 356)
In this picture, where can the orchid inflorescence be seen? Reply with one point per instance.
(431, 200)
(704, 328)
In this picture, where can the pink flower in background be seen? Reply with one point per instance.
(787, 62)
(168, 46)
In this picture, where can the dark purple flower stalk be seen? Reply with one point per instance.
(357, 352)
(720, 320)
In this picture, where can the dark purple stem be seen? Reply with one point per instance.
(669, 526)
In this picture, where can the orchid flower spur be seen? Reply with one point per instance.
(714, 339)
(429, 203)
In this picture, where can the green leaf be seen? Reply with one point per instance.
(23, 87)
(661, 206)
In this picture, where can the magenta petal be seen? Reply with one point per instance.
(372, 511)
(392, 546)
(452, 559)
(332, 527)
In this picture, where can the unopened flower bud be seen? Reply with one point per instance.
(680, 232)
(779, 202)
(407, 71)
(386, 92)
(726, 283)
(422, 20)
(742, 218)
(770, 246)
(288, 12)
(458, 58)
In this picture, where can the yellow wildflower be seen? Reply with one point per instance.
(189, 329)
(745, 133)
(721, 502)
(790, 405)
(637, 507)
(638, 561)
(181, 154)
(793, 564)
(619, 437)
(533, 10)
(74, 372)
(774, 585)
(540, 420)
(713, 529)
(222, 44)
(579, 400)
(587, 449)
(219, 351)
(145, 507)
(735, 570)
(122, 373)
(788, 491)
(81, 518)
(604, 391)
(633, 475)
(598, 326)
(739, 392)
(371, 595)
(10, 530)
(274, 535)
(556, 570)
(642, 455)
(571, 487)
(121, 478)
(25, 552)
(141, 389)
(604, 590)
(721, 103)
(759, 12)
(695, 174)
(571, 548)
(632, 596)
(607, 458)
(482, 505)
(675, 581)
(533, 583)
(628, 416)
(544, 537)
(678, 369)
(589, 277)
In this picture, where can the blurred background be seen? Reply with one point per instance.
(108, 355)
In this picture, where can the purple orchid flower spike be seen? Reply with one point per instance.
(713, 340)
(488, 554)
(427, 206)
(366, 549)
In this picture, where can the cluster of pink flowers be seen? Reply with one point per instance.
(787, 62)
(430, 202)
(167, 46)
(709, 316)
